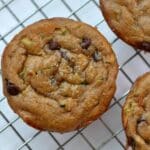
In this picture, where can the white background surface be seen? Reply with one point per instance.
(106, 133)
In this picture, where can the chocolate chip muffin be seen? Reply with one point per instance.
(136, 114)
(59, 74)
(130, 20)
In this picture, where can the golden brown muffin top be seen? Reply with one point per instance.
(59, 74)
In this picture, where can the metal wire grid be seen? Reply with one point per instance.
(116, 101)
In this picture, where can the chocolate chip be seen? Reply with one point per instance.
(70, 62)
(96, 56)
(86, 42)
(53, 45)
(140, 120)
(12, 89)
(146, 45)
(84, 82)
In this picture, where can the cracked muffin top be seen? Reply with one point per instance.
(59, 74)
(130, 20)
(136, 114)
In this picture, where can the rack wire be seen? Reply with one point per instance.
(81, 139)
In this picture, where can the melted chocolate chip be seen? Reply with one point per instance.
(70, 62)
(53, 45)
(84, 82)
(142, 119)
(86, 42)
(12, 89)
(96, 56)
(146, 45)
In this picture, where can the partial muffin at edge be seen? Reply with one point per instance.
(136, 114)
(130, 20)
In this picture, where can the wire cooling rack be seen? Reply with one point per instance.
(104, 134)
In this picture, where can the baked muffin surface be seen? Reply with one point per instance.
(59, 74)
(136, 114)
(130, 20)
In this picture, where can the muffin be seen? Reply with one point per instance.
(136, 114)
(130, 20)
(59, 74)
